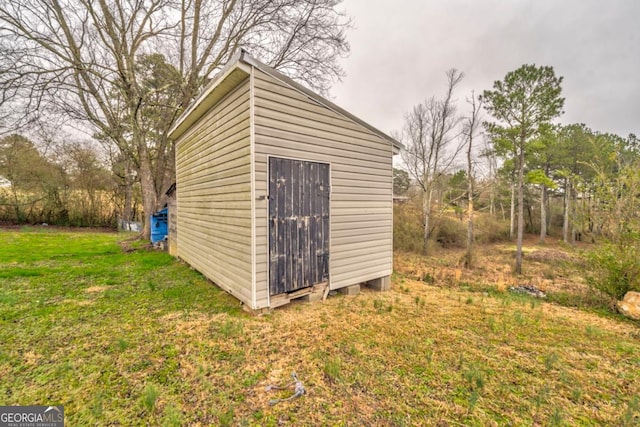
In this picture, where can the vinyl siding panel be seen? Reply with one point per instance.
(289, 124)
(213, 174)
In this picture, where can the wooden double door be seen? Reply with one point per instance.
(299, 211)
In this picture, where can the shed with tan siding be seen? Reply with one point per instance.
(279, 191)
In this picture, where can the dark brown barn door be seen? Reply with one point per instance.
(298, 224)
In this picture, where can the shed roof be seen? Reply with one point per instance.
(238, 69)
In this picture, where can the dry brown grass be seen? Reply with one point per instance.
(421, 355)
(413, 356)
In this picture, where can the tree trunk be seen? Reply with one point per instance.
(149, 195)
(16, 205)
(543, 213)
(565, 214)
(426, 213)
(492, 201)
(572, 221)
(127, 213)
(518, 269)
(165, 170)
(513, 211)
(469, 256)
(547, 209)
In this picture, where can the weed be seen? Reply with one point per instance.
(353, 351)
(592, 365)
(593, 331)
(381, 307)
(631, 415)
(624, 349)
(333, 368)
(149, 397)
(542, 396)
(557, 417)
(428, 278)
(474, 396)
(491, 322)
(252, 379)
(231, 328)
(173, 417)
(96, 407)
(518, 317)
(475, 380)
(551, 360)
(226, 418)
(576, 394)
(122, 344)
(469, 300)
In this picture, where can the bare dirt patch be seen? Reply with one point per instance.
(96, 289)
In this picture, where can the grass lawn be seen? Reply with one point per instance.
(137, 338)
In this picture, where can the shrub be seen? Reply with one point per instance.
(451, 232)
(615, 268)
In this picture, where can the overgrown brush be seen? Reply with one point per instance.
(407, 227)
(451, 233)
(448, 231)
(490, 230)
(615, 267)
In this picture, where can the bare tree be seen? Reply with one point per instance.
(430, 129)
(470, 128)
(85, 59)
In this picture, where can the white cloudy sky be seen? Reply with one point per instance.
(401, 49)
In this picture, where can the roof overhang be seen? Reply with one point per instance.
(236, 71)
(224, 82)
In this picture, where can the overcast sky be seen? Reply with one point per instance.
(401, 49)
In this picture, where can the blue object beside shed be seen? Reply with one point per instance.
(159, 226)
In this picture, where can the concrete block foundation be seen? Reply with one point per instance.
(381, 284)
(350, 290)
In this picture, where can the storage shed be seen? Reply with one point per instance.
(279, 191)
